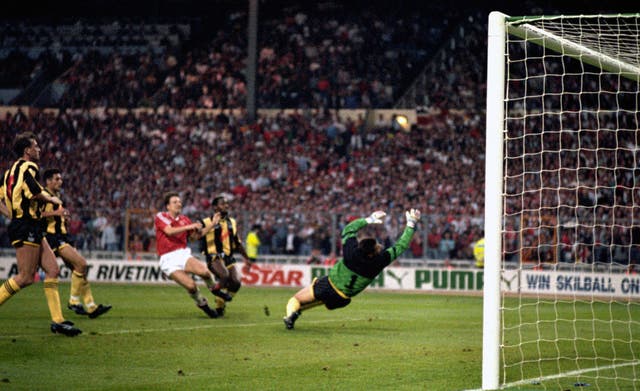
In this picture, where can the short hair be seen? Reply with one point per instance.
(22, 142)
(368, 246)
(217, 200)
(48, 174)
(168, 195)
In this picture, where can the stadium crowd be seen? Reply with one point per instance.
(334, 58)
(292, 163)
(288, 170)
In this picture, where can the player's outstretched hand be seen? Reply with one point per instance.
(413, 216)
(376, 217)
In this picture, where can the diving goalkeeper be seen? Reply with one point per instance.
(362, 261)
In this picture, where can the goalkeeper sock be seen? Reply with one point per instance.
(292, 306)
(53, 299)
(76, 286)
(8, 289)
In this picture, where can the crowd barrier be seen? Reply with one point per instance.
(408, 279)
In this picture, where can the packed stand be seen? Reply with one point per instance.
(92, 63)
(329, 55)
(300, 165)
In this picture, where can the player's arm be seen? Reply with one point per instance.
(238, 246)
(402, 244)
(37, 190)
(209, 223)
(351, 230)
(171, 231)
(4, 210)
(50, 211)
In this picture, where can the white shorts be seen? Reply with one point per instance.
(174, 260)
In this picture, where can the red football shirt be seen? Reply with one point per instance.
(164, 242)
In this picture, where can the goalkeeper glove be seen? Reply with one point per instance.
(412, 216)
(376, 217)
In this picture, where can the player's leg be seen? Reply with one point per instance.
(233, 286)
(77, 274)
(234, 283)
(184, 279)
(79, 285)
(321, 291)
(194, 266)
(302, 300)
(49, 264)
(27, 257)
(219, 269)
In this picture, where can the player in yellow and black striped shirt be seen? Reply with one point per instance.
(56, 234)
(219, 245)
(21, 192)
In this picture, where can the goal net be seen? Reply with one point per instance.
(562, 216)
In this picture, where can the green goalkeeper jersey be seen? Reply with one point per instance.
(355, 271)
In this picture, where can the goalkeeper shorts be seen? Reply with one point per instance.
(325, 292)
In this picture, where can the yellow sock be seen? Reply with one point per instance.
(53, 299)
(76, 288)
(9, 288)
(219, 302)
(87, 297)
(292, 306)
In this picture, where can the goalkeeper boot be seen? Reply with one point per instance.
(100, 309)
(207, 310)
(65, 328)
(289, 321)
(218, 292)
(78, 309)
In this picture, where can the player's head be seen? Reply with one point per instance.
(172, 202)
(52, 178)
(26, 145)
(369, 247)
(220, 204)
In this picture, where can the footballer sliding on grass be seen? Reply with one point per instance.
(362, 261)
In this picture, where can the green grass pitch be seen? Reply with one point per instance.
(156, 339)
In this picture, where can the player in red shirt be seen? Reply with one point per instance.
(172, 231)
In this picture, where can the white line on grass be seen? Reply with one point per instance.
(564, 374)
(213, 325)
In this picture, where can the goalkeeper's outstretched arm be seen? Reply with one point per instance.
(353, 227)
(402, 244)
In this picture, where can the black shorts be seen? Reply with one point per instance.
(228, 260)
(57, 242)
(324, 291)
(23, 232)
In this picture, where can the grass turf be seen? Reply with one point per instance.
(156, 339)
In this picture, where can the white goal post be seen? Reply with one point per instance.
(562, 202)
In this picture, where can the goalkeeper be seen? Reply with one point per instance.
(362, 261)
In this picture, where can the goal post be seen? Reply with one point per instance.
(562, 202)
(493, 201)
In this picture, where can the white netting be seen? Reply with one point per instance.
(571, 204)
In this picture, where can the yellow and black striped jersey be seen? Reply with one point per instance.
(19, 187)
(221, 239)
(54, 224)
